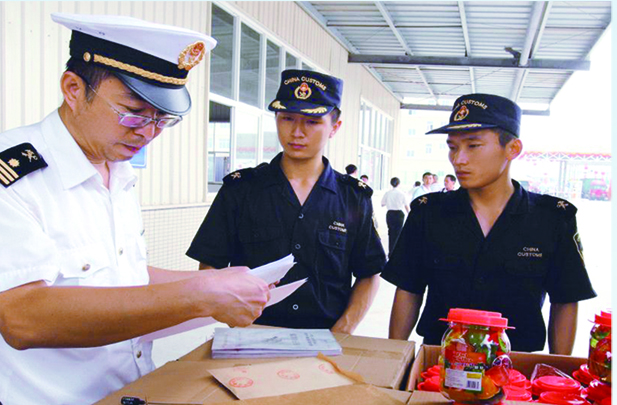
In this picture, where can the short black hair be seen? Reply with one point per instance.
(427, 174)
(451, 177)
(364, 176)
(351, 169)
(89, 73)
(504, 136)
(395, 181)
(335, 114)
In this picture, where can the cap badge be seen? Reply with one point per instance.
(191, 55)
(236, 175)
(277, 104)
(303, 91)
(316, 110)
(461, 114)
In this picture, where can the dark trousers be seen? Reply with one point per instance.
(394, 220)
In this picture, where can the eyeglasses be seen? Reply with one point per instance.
(131, 120)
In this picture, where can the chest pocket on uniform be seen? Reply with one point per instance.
(525, 268)
(332, 249)
(83, 265)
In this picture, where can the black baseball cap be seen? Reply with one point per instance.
(473, 112)
(307, 92)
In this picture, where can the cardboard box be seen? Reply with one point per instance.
(435, 398)
(189, 383)
(357, 394)
(428, 356)
(524, 362)
(382, 362)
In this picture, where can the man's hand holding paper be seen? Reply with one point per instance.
(271, 273)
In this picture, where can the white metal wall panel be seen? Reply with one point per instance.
(33, 51)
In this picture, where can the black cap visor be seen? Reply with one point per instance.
(301, 107)
(173, 101)
(461, 127)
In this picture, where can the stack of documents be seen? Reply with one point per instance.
(247, 343)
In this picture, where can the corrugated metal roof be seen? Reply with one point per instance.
(559, 33)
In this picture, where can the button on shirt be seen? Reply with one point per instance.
(61, 225)
(394, 200)
(256, 218)
(531, 250)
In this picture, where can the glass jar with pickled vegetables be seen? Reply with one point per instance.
(599, 361)
(474, 356)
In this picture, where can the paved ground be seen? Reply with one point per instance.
(594, 219)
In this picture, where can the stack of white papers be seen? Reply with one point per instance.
(252, 343)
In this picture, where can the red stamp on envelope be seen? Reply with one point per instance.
(240, 382)
(326, 368)
(288, 374)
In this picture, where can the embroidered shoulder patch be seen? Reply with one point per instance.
(357, 184)
(18, 161)
(243, 174)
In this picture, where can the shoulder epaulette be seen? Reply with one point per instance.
(428, 199)
(556, 204)
(18, 161)
(242, 175)
(357, 184)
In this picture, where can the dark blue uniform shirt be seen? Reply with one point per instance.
(532, 249)
(256, 218)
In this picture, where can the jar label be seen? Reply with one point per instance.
(465, 359)
(464, 380)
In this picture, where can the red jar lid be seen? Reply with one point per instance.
(430, 384)
(598, 390)
(516, 377)
(435, 370)
(514, 393)
(604, 318)
(583, 375)
(555, 383)
(476, 317)
(562, 398)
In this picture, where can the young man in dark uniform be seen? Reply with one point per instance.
(489, 245)
(298, 204)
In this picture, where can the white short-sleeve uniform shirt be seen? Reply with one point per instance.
(61, 225)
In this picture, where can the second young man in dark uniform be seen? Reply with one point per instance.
(489, 245)
(298, 204)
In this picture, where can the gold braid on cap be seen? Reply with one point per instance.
(139, 71)
(317, 110)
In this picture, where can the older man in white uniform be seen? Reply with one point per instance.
(75, 288)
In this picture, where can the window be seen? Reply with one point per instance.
(221, 59)
(273, 75)
(429, 126)
(429, 148)
(271, 144)
(247, 131)
(249, 66)
(411, 132)
(291, 62)
(246, 70)
(410, 153)
(375, 141)
(219, 145)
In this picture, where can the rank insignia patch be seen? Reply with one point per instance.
(18, 161)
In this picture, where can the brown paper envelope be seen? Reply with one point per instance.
(280, 378)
